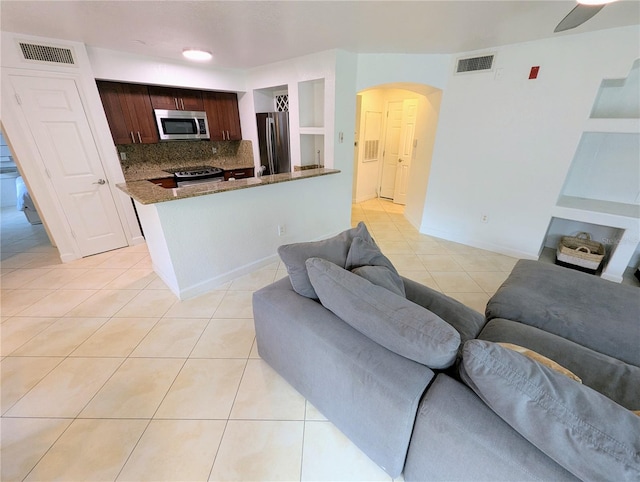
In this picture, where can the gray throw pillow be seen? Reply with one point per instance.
(382, 276)
(590, 435)
(366, 260)
(385, 317)
(335, 249)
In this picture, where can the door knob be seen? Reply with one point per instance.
(399, 160)
(100, 181)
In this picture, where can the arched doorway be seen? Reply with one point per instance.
(395, 133)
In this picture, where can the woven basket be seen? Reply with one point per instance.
(579, 250)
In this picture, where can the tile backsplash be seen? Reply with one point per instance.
(176, 154)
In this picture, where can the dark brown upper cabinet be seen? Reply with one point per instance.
(222, 115)
(129, 112)
(171, 98)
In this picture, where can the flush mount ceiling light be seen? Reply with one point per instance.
(196, 54)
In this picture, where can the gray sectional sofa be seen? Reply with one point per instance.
(432, 389)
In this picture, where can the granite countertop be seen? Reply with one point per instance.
(146, 192)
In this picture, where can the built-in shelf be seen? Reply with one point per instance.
(311, 149)
(621, 126)
(312, 131)
(601, 193)
(311, 107)
(311, 103)
(631, 211)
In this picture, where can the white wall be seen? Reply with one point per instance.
(126, 67)
(379, 69)
(426, 127)
(27, 156)
(504, 145)
(367, 173)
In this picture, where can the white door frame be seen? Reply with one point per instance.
(17, 134)
(31, 164)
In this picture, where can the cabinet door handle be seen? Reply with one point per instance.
(228, 136)
(175, 99)
(139, 137)
(133, 139)
(182, 103)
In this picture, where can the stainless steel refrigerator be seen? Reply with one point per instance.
(273, 138)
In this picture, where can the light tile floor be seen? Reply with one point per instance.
(107, 376)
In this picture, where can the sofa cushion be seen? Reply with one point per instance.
(580, 307)
(615, 379)
(587, 433)
(335, 249)
(466, 321)
(388, 319)
(366, 260)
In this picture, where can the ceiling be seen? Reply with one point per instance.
(246, 34)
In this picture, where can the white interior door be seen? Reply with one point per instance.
(391, 151)
(53, 109)
(407, 135)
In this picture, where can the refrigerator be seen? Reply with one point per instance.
(273, 139)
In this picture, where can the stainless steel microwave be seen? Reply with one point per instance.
(178, 125)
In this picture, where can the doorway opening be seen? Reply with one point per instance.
(395, 133)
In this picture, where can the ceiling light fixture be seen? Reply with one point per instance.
(196, 54)
(595, 2)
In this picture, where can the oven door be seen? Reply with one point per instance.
(181, 125)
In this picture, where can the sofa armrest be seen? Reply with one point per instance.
(466, 321)
(370, 393)
(458, 438)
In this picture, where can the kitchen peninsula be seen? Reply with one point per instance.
(203, 235)
(148, 191)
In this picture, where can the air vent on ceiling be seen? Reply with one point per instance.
(47, 53)
(474, 64)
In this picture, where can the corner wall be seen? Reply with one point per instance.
(505, 143)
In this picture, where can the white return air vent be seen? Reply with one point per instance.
(46, 53)
(475, 64)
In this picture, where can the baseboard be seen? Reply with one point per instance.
(136, 240)
(496, 248)
(217, 281)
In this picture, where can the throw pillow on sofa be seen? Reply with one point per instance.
(385, 317)
(335, 249)
(365, 259)
(353, 249)
(587, 433)
(534, 355)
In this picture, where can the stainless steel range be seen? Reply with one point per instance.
(197, 175)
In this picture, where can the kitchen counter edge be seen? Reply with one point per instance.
(146, 192)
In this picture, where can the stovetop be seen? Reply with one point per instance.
(198, 171)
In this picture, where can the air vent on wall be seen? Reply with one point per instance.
(47, 53)
(474, 64)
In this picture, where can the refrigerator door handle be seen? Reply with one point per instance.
(270, 152)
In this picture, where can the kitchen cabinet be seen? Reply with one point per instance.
(129, 112)
(238, 173)
(171, 98)
(222, 115)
